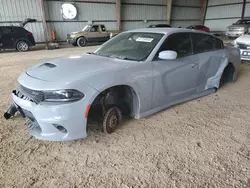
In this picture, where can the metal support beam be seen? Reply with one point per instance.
(45, 28)
(169, 10)
(118, 14)
(203, 11)
(243, 9)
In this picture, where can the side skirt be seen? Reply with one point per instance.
(157, 109)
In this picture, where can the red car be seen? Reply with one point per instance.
(199, 27)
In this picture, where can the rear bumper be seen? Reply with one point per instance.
(31, 41)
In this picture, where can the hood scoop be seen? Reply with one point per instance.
(49, 65)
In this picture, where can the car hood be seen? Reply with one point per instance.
(76, 67)
(77, 32)
(245, 39)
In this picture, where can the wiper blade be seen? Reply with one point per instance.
(122, 57)
(112, 56)
(91, 53)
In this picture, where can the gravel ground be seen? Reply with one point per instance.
(202, 143)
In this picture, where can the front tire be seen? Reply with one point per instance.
(111, 120)
(81, 42)
(22, 46)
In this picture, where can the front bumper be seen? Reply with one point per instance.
(45, 118)
(234, 34)
(245, 54)
(71, 41)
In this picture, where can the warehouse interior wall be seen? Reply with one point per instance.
(134, 14)
(223, 13)
(142, 13)
(13, 12)
(186, 12)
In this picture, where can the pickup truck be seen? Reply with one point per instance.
(90, 34)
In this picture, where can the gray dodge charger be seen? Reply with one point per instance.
(136, 73)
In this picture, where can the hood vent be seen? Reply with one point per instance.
(50, 65)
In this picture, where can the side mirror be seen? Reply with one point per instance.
(168, 55)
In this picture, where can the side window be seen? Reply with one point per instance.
(203, 43)
(94, 28)
(19, 30)
(103, 28)
(6, 30)
(179, 42)
(219, 44)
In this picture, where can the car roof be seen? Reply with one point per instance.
(12, 26)
(158, 30)
(166, 30)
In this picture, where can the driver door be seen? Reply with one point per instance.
(176, 79)
(94, 34)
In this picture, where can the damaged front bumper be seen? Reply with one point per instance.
(55, 122)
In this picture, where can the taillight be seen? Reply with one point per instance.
(29, 34)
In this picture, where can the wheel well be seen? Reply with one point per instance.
(228, 73)
(81, 37)
(122, 96)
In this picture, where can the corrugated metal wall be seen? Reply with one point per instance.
(223, 13)
(134, 14)
(12, 12)
(186, 12)
(247, 9)
(87, 13)
(142, 13)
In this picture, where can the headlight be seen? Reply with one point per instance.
(65, 95)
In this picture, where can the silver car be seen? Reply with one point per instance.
(239, 28)
(136, 73)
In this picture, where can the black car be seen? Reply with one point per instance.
(159, 25)
(16, 37)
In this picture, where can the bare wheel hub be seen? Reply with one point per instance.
(113, 121)
(112, 118)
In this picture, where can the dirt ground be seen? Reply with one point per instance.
(202, 143)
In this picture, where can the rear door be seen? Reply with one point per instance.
(210, 52)
(7, 37)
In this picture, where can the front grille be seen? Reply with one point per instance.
(232, 30)
(242, 46)
(29, 94)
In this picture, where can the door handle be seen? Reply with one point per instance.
(194, 65)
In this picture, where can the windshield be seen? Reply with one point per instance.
(130, 46)
(243, 22)
(86, 28)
